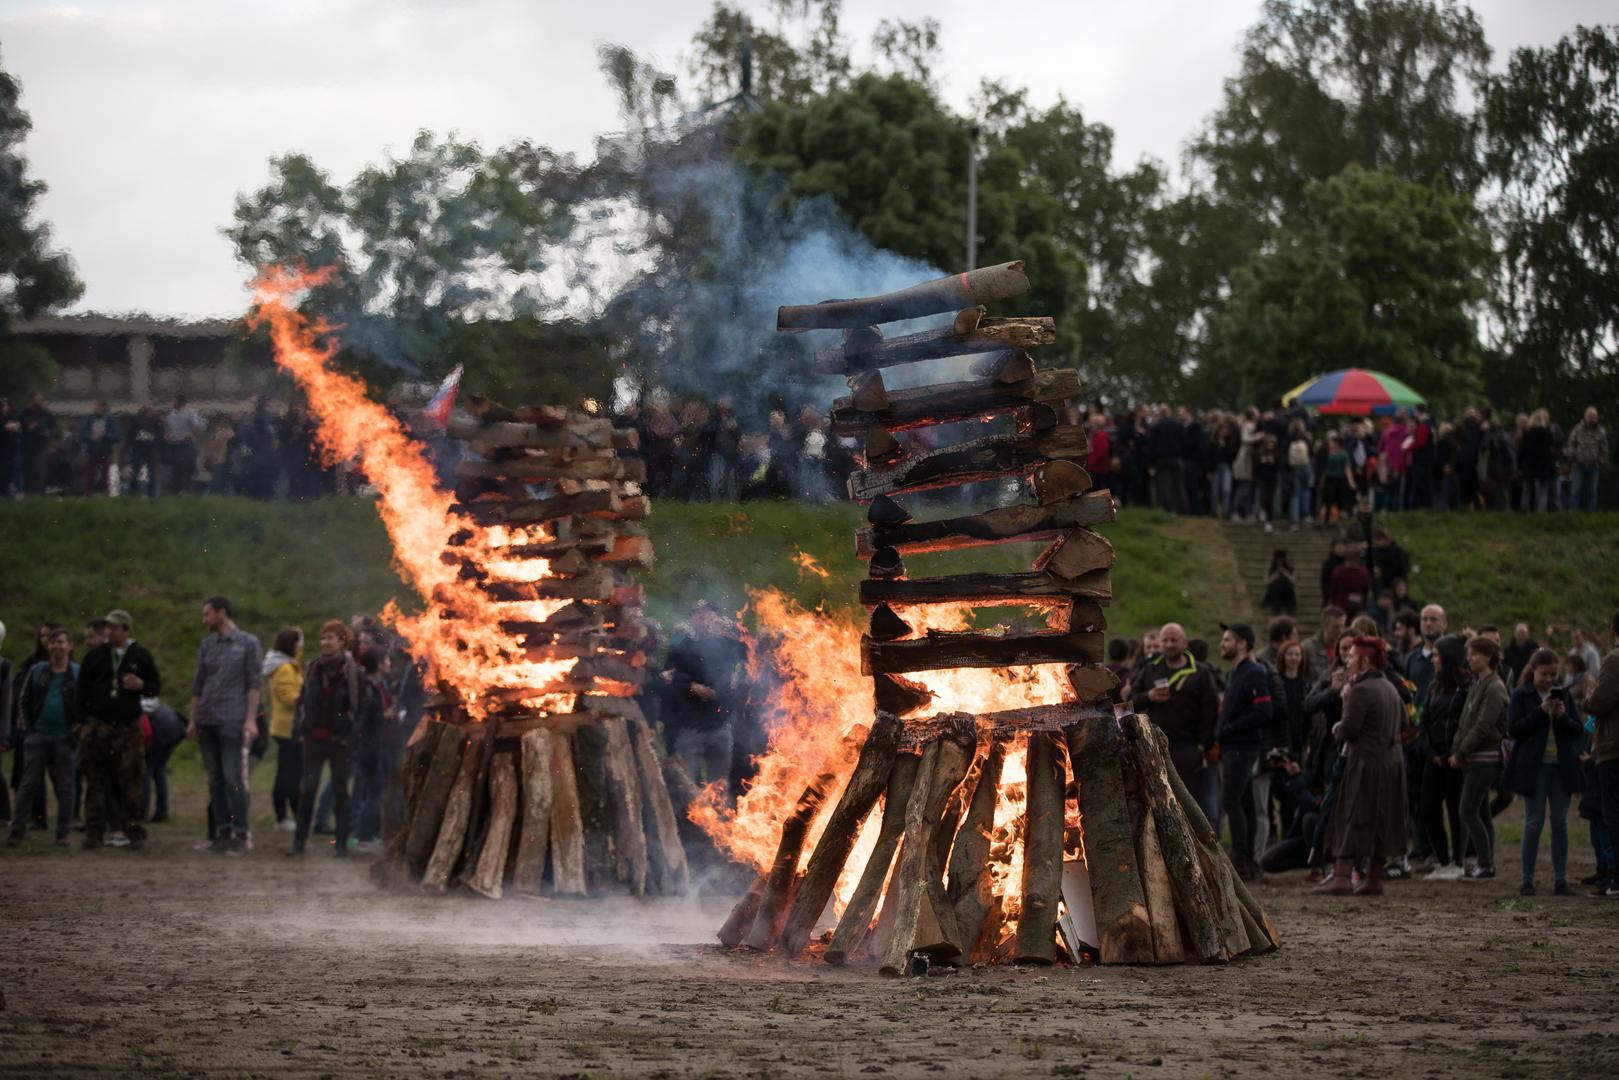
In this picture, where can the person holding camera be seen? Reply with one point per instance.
(1545, 764)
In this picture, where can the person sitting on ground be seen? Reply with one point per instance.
(327, 724)
(1281, 592)
(48, 715)
(1476, 751)
(1367, 820)
(1548, 734)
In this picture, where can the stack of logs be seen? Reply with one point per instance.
(535, 800)
(1162, 888)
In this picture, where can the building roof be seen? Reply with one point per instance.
(99, 325)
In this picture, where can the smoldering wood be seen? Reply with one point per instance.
(951, 293)
(541, 510)
(478, 814)
(885, 512)
(452, 832)
(944, 764)
(1004, 724)
(969, 888)
(1002, 525)
(946, 650)
(885, 563)
(1123, 929)
(1033, 589)
(1091, 682)
(949, 403)
(597, 584)
(1042, 851)
(887, 626)
(567, 822)
(965, 463)
(1036, 418)
(534, 830)
(882, 449)
(899, 695)
(989, 335)
(1011, 367)
(488, 876)
(869, 394)
(866, 783)
(784, 878)
(855, 923)
(534, 467)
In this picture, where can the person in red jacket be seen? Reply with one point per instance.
(1351, 585)
(1098, 461)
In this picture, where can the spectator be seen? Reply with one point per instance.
(1392, 447)
(1335, 558)
(327, 724)
(282, 677)
(1099, 453)
(723, 438)
(1440, 800)
(11, 481)
(1421, 461)
(1587, 651)
(259, 446)
(1222, 455)
(1389, 562)
(48, 713)
(705, 676)
(38, 428)
(1367, 820)
(1537, 464)
(113, 679)
(1476, 751)
(1168, 442)
(1338, 486)
(168, 732)
(1544, 768)
(224, 719)
(1602, 705)
(216, 461)
(1245, 719)
(1518, 651)
(1300, 475)
(1194, 450)
(1351, 584)
(1281, 591)
(146, 437)
(1319, 654)
(375, 709)
(1178, 695)
(99, 435)
(181, 427)
(1587, 449)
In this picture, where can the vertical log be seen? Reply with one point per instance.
(452, 834)
(783, 877)
(595, 811)
(852, 928)
(1042, 851)
(567, 824)
(740, 921)
(534, 833)
(866, 783)
(970, 889)
(412, 775)
(1122, 925)
(1167, 945)
(422, 836)
(478, 813)
(944, 763)
(670, 871)
(624, 798)
(487, 877)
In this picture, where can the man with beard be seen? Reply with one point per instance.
(113, 679)
(1177, 694)
(1245, 718)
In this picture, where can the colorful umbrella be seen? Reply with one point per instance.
(1353, 392)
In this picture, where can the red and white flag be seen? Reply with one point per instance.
(438, 410)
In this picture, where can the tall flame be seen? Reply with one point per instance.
(459, 630)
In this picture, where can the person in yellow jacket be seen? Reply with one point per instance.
(283, 678)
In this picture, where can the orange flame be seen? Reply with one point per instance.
(459, 630)
(807, 564)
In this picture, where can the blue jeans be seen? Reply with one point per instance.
(1585, 487)
(222, 760)
(1299, 483)
(1220, 490)
(1602, 848)
(1549, 788)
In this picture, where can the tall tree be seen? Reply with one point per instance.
(34, 277)
(1382, 273)
(803, 54)
(1552, 120)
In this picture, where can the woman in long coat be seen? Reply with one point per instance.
(1368, 816)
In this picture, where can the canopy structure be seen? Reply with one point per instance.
(1353, 392)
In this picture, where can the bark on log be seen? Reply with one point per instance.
(534, 467)
(950, 293)
(868, 392)
(1003, 525)
(743, 913)
(885, 512)
(430, 804)
(1031, 589)
(967, 650)
(595, 808)
(887, 626)
(866, 783)
(538, 510)
(670, 871)
(567, 822)
(970, 890)
(534, 832)
(1167, 945)
(1009, 367)
(784, 877)
(624, 796)
(452, 833)
(989, 335)
(947, 403)
(1177, 843)
(1076, 553)
(1042, 851)
(944, 763)
(855, 922)
(488, 876)
(965, 463)
(1122, 926)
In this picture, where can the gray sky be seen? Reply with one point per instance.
(150, 115)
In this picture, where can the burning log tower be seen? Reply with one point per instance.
(1106, 823)
(547, 782)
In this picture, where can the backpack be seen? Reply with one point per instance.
(1298, 454)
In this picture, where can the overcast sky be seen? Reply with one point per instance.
(150, 115)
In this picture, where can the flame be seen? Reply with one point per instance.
(439, 552)
(807, 565)
(821, 699)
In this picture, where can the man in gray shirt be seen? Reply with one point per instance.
(224, 719)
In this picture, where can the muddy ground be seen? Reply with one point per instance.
(168, 962)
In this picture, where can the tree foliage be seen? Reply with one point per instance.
(1553, 147)
(1381, 273)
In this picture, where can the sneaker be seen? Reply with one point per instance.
(1526, 889)
(1609, 893)
(1562, 889)
(157, 819)
(366, 847)
(235, 849)
(1480, 873)
(1445, 872)
(1396, 872)
(203, 845)
(287, 825)
(117, 839)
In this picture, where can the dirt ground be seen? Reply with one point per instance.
(168, 962)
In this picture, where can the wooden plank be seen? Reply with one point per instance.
(966, 650)
(988, 336)
(534, 830)
(1035, 589)
(1122, 923)
(855, 923)
(488, 878)
(950, 293)
(1041, 888)
(1002, 525)
(567, 824)
(966, 463)
(949, 403)
(452, 833)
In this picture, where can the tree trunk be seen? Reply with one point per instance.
(989, 335)
(595, 808)
(1033, 589)
(624, 796)
(1042, 851)
(944, 763)
(969, 650)
(1002, 525)
(970, 890)
(949, 293)
(452, 833)
(1123, 930)
(534, 832)
(856, 920)
(668, 856)
(740, 921)
(989, 458)
(567, 822)
(488, 877)
(784, 877)
(430, 804)
(949, 403)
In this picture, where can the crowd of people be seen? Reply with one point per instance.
(1273, 466)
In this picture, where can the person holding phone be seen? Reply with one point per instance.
(1545, 763)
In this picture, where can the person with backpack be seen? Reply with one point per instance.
(48, 714)
(327, 727)
(1548, 734)
(1300, 476)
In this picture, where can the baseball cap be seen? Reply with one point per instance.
(120, 617)
(1242, 630)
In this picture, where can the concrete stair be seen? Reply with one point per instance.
(1306, 549)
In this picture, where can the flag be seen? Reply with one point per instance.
(438, 410)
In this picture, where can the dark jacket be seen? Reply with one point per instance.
(1168, 439)
(1530, 726)
(334, 698)
(1193, 706)
(1246, 716)
(34, 691)
(716, 661)
(1368, 812)
(100, 686)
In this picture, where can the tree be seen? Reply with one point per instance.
(34, 277)
(1382, 273)
(1552, 120)
(804, 55)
